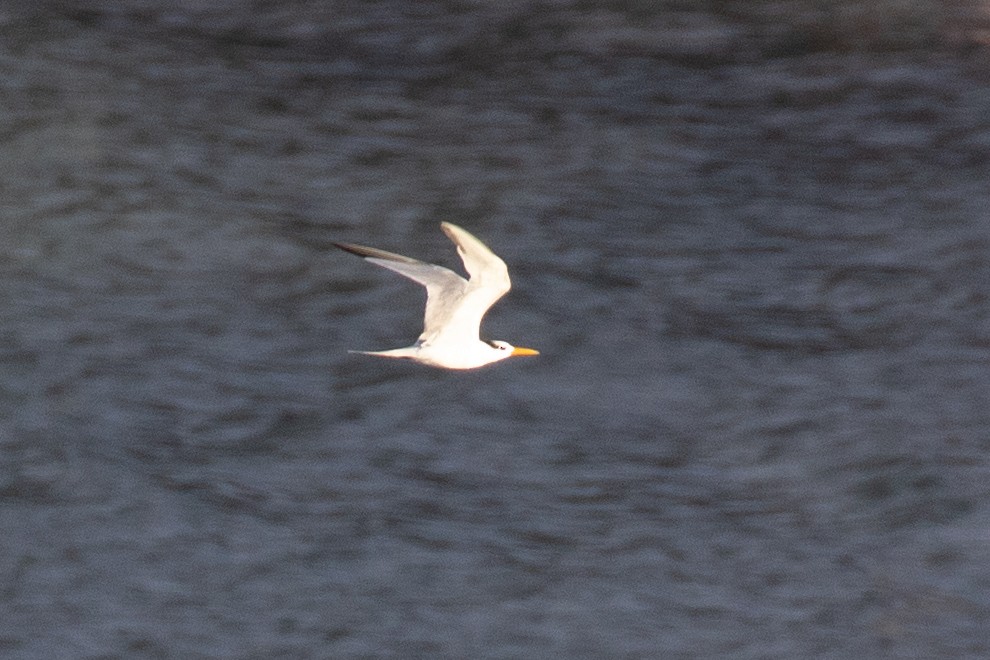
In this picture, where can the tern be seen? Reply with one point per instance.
(454, 305)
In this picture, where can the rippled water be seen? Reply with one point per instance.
(758, 426)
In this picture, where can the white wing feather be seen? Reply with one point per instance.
(454, 306)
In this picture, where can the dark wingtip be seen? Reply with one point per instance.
(373, 253)
(349, 247)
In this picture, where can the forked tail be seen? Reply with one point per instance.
(408, 352)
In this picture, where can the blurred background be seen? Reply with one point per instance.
(750, 239)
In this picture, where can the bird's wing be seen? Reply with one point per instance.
(444, 288)
(489, 275)
(483, 265)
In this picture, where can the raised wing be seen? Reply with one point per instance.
(489, 281)
(483, 265)
(454, 306)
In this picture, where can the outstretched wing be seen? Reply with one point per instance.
(454, 306)
(444, 288)
(489, 277)
(483, 265)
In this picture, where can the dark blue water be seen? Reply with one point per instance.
(757, 429)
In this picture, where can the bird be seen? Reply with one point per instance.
(454, 305)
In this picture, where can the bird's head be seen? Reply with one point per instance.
(504, 349)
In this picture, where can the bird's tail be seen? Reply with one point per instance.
(409, 352)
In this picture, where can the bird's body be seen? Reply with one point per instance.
(454, 306)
